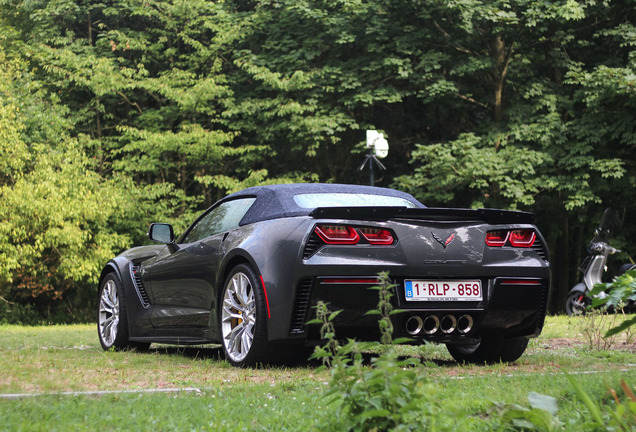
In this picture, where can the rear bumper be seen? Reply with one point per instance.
(512, 307)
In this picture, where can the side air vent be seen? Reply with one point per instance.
(540, 249)
(139, 285)
(544, 305)
(313, 244)
(301, 304)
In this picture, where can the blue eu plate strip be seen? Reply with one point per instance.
(409, 289)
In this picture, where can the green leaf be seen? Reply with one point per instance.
(592, 407)
(544, 402)
(621, 327)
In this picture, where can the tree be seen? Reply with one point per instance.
(59, 219)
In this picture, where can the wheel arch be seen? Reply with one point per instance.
(110, 267)
(238, 257)
(230, 263)
(119, 266)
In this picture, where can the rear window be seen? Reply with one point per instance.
(316, 200)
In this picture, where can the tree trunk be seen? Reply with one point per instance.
(499, 54)
(561, 266)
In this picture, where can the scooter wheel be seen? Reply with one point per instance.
(576, 304)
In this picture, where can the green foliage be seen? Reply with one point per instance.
(542, 416)
(621, 291)
(390, 394)
(60, 220)
(535, 135)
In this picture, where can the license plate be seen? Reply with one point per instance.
(445, 290)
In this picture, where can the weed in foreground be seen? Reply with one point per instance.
(596, 322)
(388, 395)
(542, 414)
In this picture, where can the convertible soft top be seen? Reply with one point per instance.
(277, 201)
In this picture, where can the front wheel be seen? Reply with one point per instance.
(576, 304)
(490, 349)
(112, 320)
(243, 319)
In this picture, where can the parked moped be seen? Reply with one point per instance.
(594, 265)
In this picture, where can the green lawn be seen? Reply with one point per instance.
(49, 361)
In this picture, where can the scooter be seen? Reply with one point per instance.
(594, 265)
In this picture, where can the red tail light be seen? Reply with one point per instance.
(497, 238)
(337, 234)
(517, 238)
(522, 238)
(377, 236)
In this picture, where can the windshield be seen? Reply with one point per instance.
(609, 223)
(350, 200)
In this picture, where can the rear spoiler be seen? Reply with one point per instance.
(491, 216)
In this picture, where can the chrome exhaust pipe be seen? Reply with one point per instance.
(431, 324)
(464, 324)
(414, 325)
(448, 324)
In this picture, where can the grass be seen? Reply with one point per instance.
(56, 359)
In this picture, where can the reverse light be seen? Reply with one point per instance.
(377, 236)
(497, 238)
(337, 234)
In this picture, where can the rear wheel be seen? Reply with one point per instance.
(112, 320)
(576, 303)
(243, 319)
(491, 349)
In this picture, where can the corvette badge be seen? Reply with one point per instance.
(444, 242)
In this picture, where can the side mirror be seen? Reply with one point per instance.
(161, 233)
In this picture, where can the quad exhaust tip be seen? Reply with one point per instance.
(414, 325)
(464, 324)
(432, 324)
(448, 324)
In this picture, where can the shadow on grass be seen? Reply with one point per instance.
(213, 352)
(301, 360)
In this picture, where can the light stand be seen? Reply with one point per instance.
(378, 148)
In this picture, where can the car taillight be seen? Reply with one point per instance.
(337, 234)
(348, 235)
(496, 238)
(516, 238)
(377, 236)
(522, 238)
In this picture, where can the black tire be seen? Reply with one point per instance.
(112, 318)
(576, 304)
(243, 319)
(491, 349)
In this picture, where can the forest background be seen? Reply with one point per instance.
(115, 114)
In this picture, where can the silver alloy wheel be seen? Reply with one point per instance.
(109, 313)
(238, 317)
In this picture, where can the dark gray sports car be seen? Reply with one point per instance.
(247, 273)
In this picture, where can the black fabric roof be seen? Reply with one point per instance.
(277, 201)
